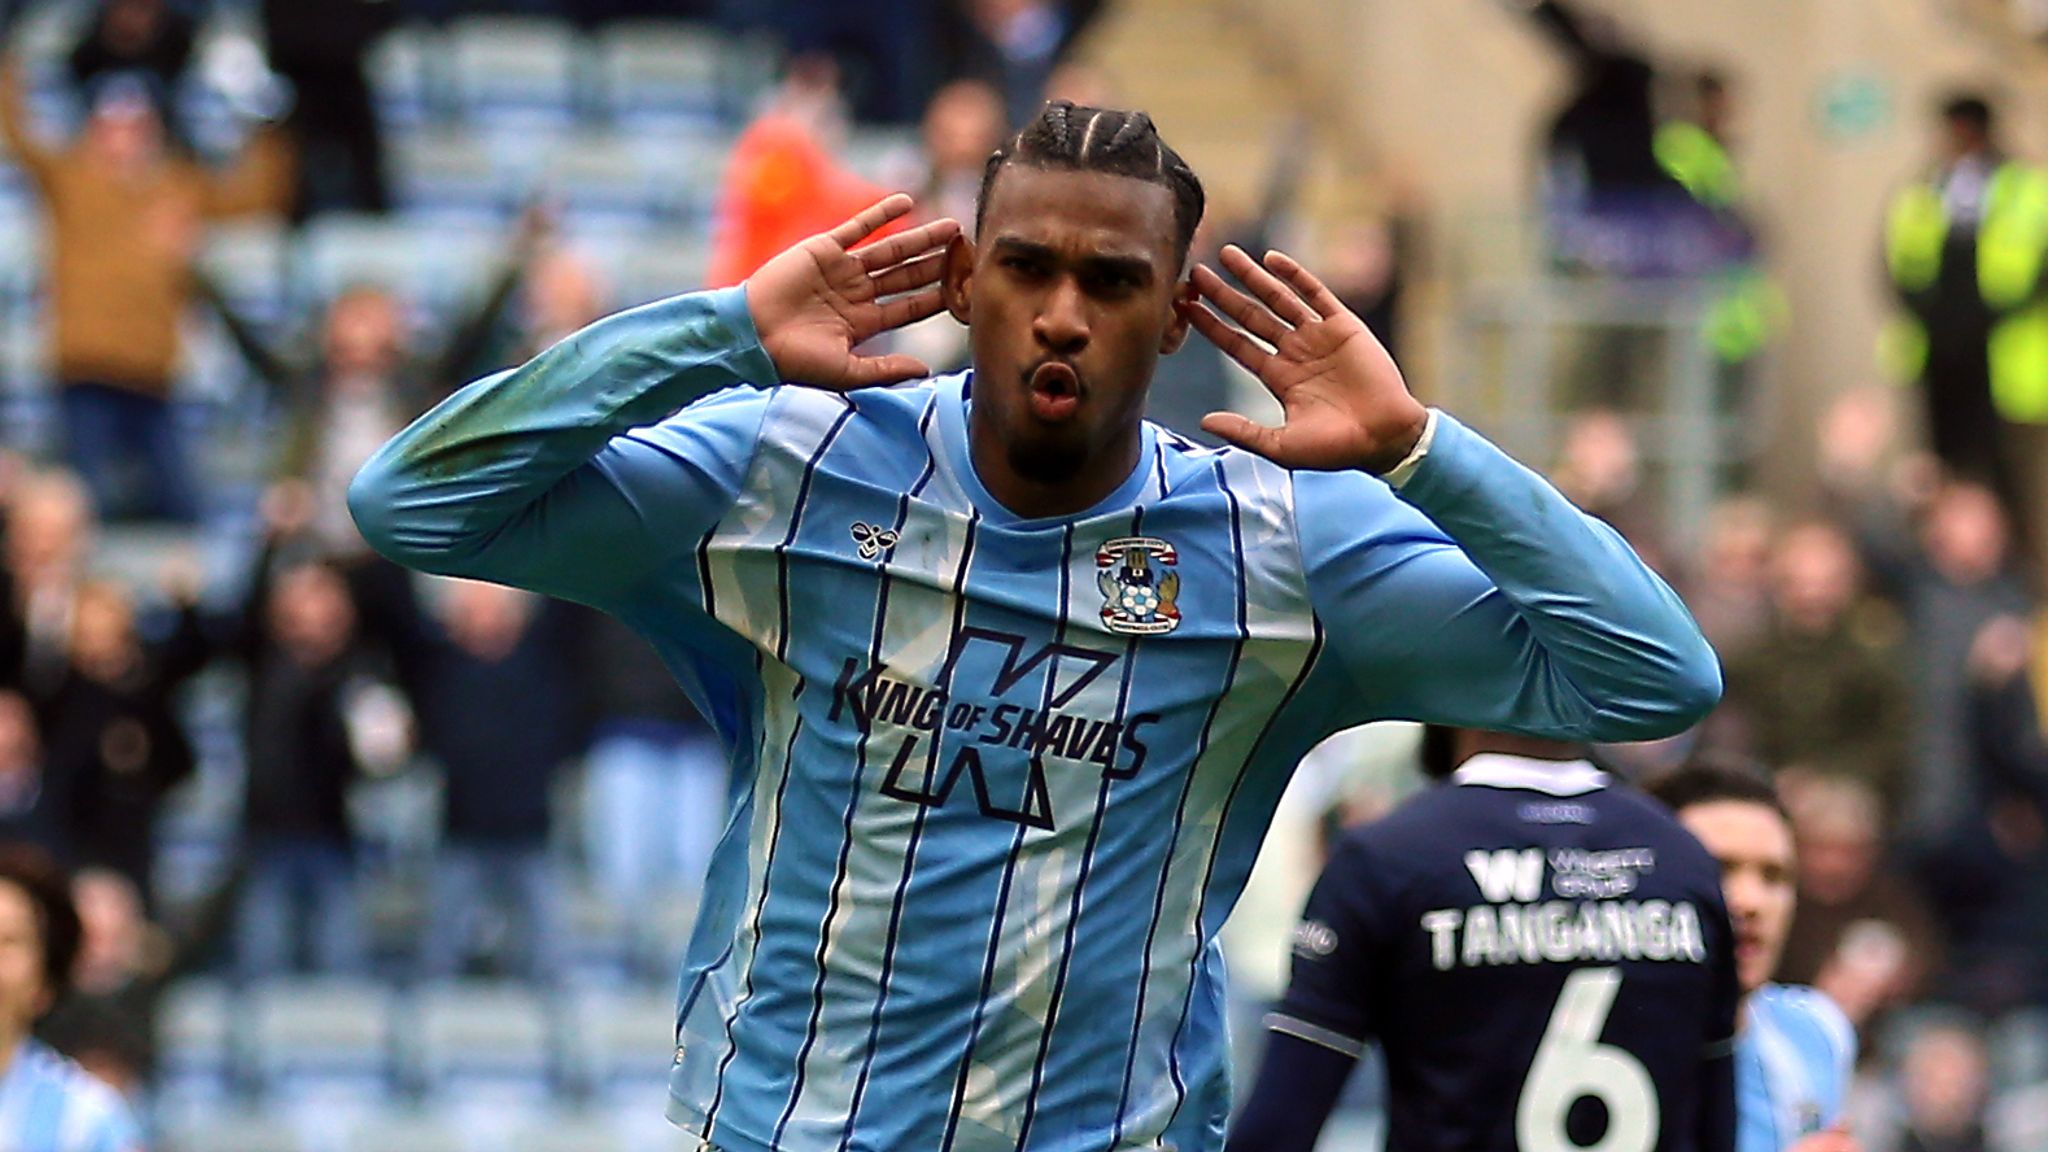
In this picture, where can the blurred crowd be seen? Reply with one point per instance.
(1883, 642)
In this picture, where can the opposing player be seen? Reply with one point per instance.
(1541, 953)
(1012, 680)
(1795, 1051)
(47, 1103)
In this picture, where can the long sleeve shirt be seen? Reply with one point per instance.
(998, 781)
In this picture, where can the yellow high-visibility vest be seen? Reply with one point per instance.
(1690, 155)
(2012, 244)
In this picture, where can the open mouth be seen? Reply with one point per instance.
(1055, 390)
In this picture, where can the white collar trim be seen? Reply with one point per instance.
(1554, 777)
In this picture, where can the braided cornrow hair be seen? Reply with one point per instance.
(1108, 140)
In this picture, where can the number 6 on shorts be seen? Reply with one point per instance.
(1571, 1063)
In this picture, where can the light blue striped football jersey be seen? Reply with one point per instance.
(997, 782)
(1794, 1056)
(49, 1104)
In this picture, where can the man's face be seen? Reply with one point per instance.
(24, 986)
(1068, 293)
(1754, 845)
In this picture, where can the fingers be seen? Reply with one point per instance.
(1304, 282)
(1267, 287)
(910, 309)
(871, 219)
(1230, 341)
(1256, 319)
(907, 245)
(914, 274)
(875, 371)
(1242, 431)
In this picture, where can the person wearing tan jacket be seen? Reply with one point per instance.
(122, 214)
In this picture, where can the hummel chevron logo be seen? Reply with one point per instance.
(873, 541)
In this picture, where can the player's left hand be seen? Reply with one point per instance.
(1345, 402)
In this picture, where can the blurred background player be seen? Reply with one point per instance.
(1502, 937)
(1794, 1050)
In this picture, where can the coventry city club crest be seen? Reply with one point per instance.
(1139, 585)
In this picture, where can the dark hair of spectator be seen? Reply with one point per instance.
(1069, 137)
(1970, 111)
(49, 890)
(1715, 780)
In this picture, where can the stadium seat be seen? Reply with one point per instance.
(430, 267)
(658, 73)
(667, 263)
(448, 174)
(328, 1039)
(407, 68)
(514, 75)
(476, 1038)
(229, 1132)
(601, 181)
(573, 1132)
(196, 1039)
(248, 261)
(598, 951)
(2018, 1044)
(624, 1044)
(886, 156)
(408, 1132)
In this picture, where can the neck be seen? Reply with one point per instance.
(1033, 499)
(12, 1037)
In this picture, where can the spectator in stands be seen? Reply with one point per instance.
(298, 641)
(1730, 594)
(106, 1023)
(1964, 256)
(655, 800)
(962, 126)
(1015, 45)
(1945, 1086)
(1941, 551)
(320, 46)
(886, 49)
(111, 731)
(1990, 878)
(495, 645)
(1818, 689)
(32, 807)
(147, 39)
(1613, 206)
(1958, 578)
(1599, 468)
(1864, 935)
(51, 1102)
(50, 527)
(783, 180)
(363, 382)
(123, 216)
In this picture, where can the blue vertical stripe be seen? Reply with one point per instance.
(1059, 984)
(1037, 766)
(796, 729)
(860, 764)
(1308, 664)
(867, 1062)
(1187, 788)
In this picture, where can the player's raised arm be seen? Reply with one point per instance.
(1540, 619)
(548, 476)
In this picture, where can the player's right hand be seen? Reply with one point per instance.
(815, 303)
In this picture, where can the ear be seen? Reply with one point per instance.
(1176, 334)
(957, 281)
